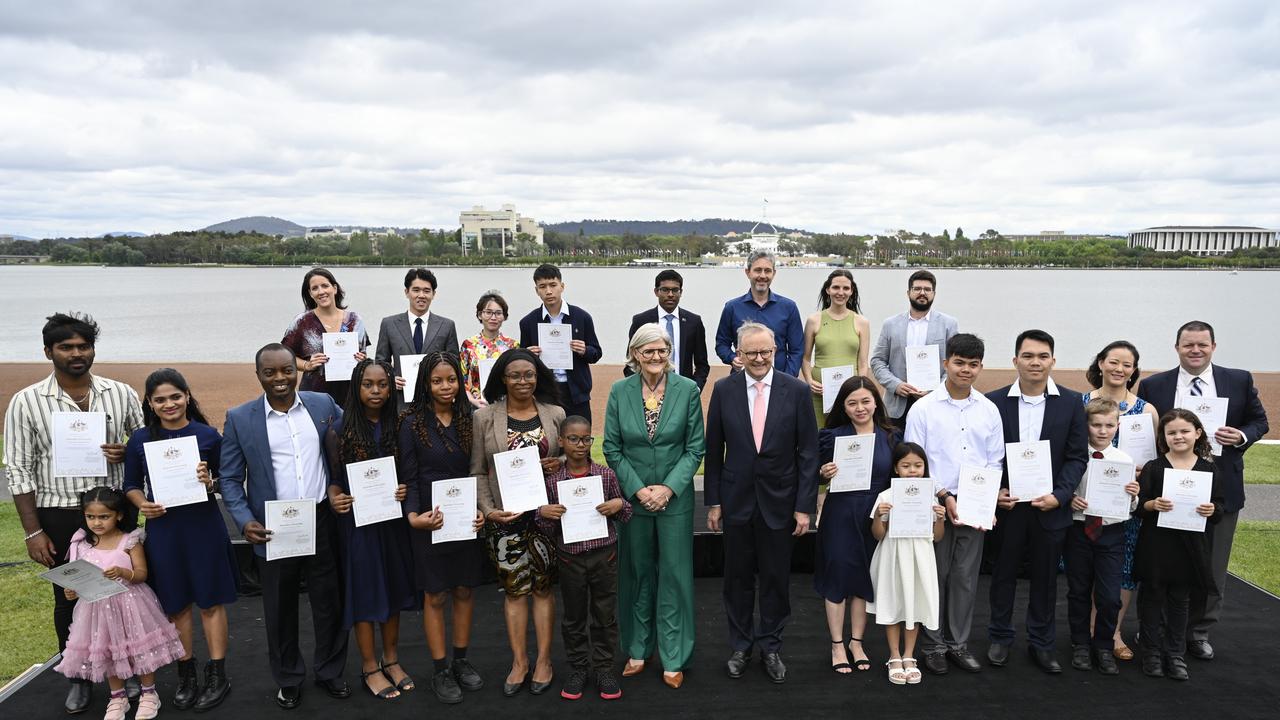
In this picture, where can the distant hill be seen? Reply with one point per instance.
(709, 226)
(260, 224)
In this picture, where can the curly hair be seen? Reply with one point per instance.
(357, 442)
(422, 412)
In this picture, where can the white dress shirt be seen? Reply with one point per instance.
(296, 455)
(918, 329)
(1031, 411)
(956, 432)
(675, 332)
(1207, 387)
(751, 391)
(1108, 453)
(426, 319)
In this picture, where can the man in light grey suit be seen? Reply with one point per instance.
(416, 332)
(918, 326)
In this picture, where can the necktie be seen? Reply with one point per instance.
(757, 415)
(671, 333)
(1196, 387)
(417, 336)
(1093, 525)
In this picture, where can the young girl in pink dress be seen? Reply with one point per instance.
(126, 634)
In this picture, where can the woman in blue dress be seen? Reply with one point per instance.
(377, 564)
(842, 572)
(188, 550)
(1113, 374)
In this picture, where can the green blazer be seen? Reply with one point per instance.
(671, 457)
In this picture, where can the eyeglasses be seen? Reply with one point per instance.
(655, 353)
(669, 290)
(919, 289)
(521, 377)
(492, 313)
(578, 439)
(757, 354)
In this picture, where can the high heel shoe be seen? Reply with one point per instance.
(837, 667)
(859, 665)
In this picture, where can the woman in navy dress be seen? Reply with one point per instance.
(377, 565)
(842, 572)
(435, 442)
(188, 550)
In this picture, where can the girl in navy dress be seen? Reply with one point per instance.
(188, 550)
(842, 572)
(377, 567)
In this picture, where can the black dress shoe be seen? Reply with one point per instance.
(538, 688)
(1045, 660)
(336, 687)
(184, 697)
(964, 660)
(936, 663)
(1152, 666)
(132, 688)
(737, 663)
(446, 688)
(774, 668)
(512, 689)
(1081, 658)
(79, 697)
(465, 673)
(997, 655)
(1200, 649)
(1106, 662)
(289, 697)
(1175, 668)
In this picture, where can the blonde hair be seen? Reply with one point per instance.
(1101, 406)
(645, 334)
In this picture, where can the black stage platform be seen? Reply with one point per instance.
(1241, 683)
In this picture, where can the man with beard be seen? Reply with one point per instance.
(49, 504)
(918, 326)
(762, 305)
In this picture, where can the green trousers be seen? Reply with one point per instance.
(655, 588)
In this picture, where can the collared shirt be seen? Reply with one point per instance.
(1031, 410)
(779, 314)
(426, 320)
(675, 332)
(1207, 386)
(918, 329)
(956, 432)
(562, 376)
(295, 453)
(611, 490)
(1108, 453)
(751, 390)
(28, 438)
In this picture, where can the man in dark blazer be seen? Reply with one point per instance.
(689, 336)
(574, 385)
(273, 449)
(1031, 409)
(1246, 424)
(416, 332)
(761, 474)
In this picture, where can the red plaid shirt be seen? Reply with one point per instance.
(611, 490)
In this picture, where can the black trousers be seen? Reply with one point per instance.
(1093, 580)
(281, 580)
(1162, 618)
(59, 525)
(571, 408)
(589, 589)
(755, 551)
(1018, 532)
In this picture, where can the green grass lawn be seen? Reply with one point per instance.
(1262, 465)
(1255, 555)
(26, 618)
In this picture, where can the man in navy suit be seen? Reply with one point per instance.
(761, 485)
(574, 385)
(273, 449)
(688, 336)
(1196, 375)
(1034, 408)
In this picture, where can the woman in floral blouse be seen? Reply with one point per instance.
(481, 350)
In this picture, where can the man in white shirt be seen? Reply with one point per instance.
(956, 426)
(416, 332)
(688, 336)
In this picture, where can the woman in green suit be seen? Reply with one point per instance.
(653, 440)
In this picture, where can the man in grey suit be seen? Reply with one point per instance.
(416, 332)
(920, 325)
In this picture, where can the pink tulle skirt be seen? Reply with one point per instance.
(122, 636)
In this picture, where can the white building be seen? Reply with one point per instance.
(1203, 239)
(495, 228)
(762, 241)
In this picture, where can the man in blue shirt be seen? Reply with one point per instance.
(760, 305)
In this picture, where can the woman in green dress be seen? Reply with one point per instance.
(653, 440)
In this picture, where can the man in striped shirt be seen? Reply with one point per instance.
(49, 505)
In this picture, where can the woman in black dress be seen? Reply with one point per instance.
(435, 442)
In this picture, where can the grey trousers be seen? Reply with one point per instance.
(1206, 607)
(959, 557)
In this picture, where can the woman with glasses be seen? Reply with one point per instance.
(523, 411)
(653, 440)
(482, 349)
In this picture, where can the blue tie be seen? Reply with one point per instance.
(1196, 389)
(417, 336)
(671, 330)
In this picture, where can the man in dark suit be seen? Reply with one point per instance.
(688, 337)
(416, 332)
(1034, 408)
(761, 485)
(272, 449)
(574, 385)
(1196, 375)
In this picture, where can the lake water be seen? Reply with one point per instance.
(173, 315)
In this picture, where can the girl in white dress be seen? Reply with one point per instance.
(904, 573)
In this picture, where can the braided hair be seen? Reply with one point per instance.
(422, 412)
(357, 441)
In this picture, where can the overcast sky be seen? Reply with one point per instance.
(1078, 116)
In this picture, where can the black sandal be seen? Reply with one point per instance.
(836, 668)
(405, 685)
(859, 665)
(391, 692)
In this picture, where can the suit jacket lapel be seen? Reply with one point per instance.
(771, 419)
(429, 334)
(686, 349)
(261, 444)
(406, 335)
(1010, 419)
(669, 401)
(635, 401)
(500, 425)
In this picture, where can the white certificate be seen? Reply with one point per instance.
(1104, 489)
(922, 366)
(292, 524)
(853, 456)
(171, 470)
(553, 339)
(580, 497)
(78, 438)
(456, 499)
(373, 491)
(912, 512)
(1185, 489)
(1030, 469)
(486, 367)
(409, 371)
(341, 348)
(1137, 438)
(1212, 412)
(520, 479)
(84, 579)
(976, 496)
(832, 379)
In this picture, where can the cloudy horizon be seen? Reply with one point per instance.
(1088, 116)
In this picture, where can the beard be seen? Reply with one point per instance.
(921, 305)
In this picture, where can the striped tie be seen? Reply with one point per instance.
(1197, 387)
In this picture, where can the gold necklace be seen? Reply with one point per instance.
(651, 402)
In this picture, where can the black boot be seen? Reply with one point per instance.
(188, 685)
(216, 686)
